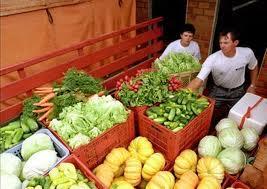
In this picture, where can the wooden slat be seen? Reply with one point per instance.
(77, 46)
(123, 62)
(10, 112)
(33, 81)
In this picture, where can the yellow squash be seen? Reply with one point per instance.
(141, 148)
(153, 164)
(132, 171)
(161, 180)
(121, 185)
(189, 180)
(104, 173)
(115, 159)
(209, 183)
(210, 166)
(187, 160)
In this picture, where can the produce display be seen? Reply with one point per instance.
(48, 102)
(38, 157)
(16, 131)
(177, 63)
(80, 123)
(146, 88)
(178, 109)
(64, 176)
(230, 145)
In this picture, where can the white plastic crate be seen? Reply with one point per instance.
(258, 116)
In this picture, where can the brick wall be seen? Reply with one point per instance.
(201, 14)
(141, 10)
(262, 78)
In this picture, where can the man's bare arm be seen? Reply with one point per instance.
(195, 84)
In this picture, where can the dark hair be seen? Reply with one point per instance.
(235, 35)
(188, 28)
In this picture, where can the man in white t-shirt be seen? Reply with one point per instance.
(185, 44)
(228, 70)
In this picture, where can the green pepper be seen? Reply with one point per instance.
(176, 118)
(24, 126)
(178, 111)
(160, 120)
(171, 114)
(188, 107)
(18, 136)
(26, 135)
(167, 123)
(166, 115)
(11, 126)
(173, 125)
(177, 129)
(157, 110)
(153, 116)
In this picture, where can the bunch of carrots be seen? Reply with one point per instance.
(45, 106)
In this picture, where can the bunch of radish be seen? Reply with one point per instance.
(174, 84)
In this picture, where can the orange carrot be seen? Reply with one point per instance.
(47, 98)
(42, 110)
(42, 92)
(44, 104)
(45, 115)
(44, 88)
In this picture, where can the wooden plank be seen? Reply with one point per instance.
(17, 87)
(111, 82)
(77, 46)
(123, 62)
(10, 112)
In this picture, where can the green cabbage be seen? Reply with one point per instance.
(36, 143)
(233, 160)
(251, 138)
(225, 123)
(209, 146)
(231, 137)
(10, 164)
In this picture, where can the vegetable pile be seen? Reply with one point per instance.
(16, 131)
(178, 110)
(146, 88)
(177, 63)
(229, 145)
(38, 157)
(48, 102)
(63, 176)
(80, 123)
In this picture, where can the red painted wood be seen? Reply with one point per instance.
(123, 62)
(10, 112)
(77, 46)
(31, 82)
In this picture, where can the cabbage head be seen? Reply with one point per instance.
(251, 138)
(233, 160)
(39, 163)
(225, 123)
(9, 182)
(36, 143)
(209, 146)
(231, 137)
(10, 164)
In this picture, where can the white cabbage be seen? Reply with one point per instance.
(231, 137)
(39, 163)
(10, 164)
(225, 123)
(251, 138)
(233, 160)
(209, 146)
(36, 143)
(9, 181)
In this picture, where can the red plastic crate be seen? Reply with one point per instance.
(94, 152)
(87, 173)
(137, 111)
(232, 181)
(172, 143)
